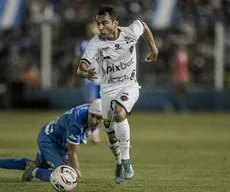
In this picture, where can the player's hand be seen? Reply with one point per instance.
(79, 177)
(80, 180)
(90, 74)
(152, 56)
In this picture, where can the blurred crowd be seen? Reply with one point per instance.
(192, 29)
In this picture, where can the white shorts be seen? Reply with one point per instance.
(126, 97)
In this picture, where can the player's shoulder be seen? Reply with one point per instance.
(78, 110)
(78, 114)
(134, 28)
(138, 22)
(97, 38)
(82, 107)
(97, 41)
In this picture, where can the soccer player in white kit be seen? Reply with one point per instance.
(114, 50)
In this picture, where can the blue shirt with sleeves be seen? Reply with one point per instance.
(70, 127)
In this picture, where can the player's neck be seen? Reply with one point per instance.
(115, 35)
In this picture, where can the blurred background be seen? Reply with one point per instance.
(40, 42)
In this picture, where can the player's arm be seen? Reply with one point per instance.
(73, 159)
(148, 37)
(89, 56)
(84, 71)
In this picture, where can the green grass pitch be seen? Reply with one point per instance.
(170, 153)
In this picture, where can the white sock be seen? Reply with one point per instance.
(122, 132)
(34, 172)
(115, 149)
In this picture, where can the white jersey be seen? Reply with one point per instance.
(117, 59)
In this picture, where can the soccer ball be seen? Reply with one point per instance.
(63, 178)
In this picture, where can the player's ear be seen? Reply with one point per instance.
(116, 22)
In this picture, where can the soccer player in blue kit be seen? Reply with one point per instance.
(58, 143)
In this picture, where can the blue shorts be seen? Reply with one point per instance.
(50, 155)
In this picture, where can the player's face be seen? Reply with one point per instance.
(106, 26)
(94, 120)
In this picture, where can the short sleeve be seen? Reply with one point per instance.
(137, 28)
(74, 135)
(91, 52)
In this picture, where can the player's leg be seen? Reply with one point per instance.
(115, 149)
(124, 102)
(14, 163)
(122, 132)
(48, 158)
(112, 140)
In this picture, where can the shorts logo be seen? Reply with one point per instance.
(124, 98)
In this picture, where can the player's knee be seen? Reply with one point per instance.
(119, 114)
(112, 138)
(106, 123)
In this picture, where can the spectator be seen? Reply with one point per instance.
(180, 77)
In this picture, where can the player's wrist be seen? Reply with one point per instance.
(154, 49)
(83, 74)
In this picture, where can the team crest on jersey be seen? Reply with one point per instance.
(124, 98)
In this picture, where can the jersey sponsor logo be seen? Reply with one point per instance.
(120, 67)
(133, 74)
(107, 57)
(120, 79)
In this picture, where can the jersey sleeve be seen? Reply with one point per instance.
(74, 135)
(136, 28)
(91, 52)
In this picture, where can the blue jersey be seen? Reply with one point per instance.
(80, 46)
(70, 127)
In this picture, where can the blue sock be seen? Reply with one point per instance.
(43, 174)
(14, 163)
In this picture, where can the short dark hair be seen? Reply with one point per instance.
(107, 9)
